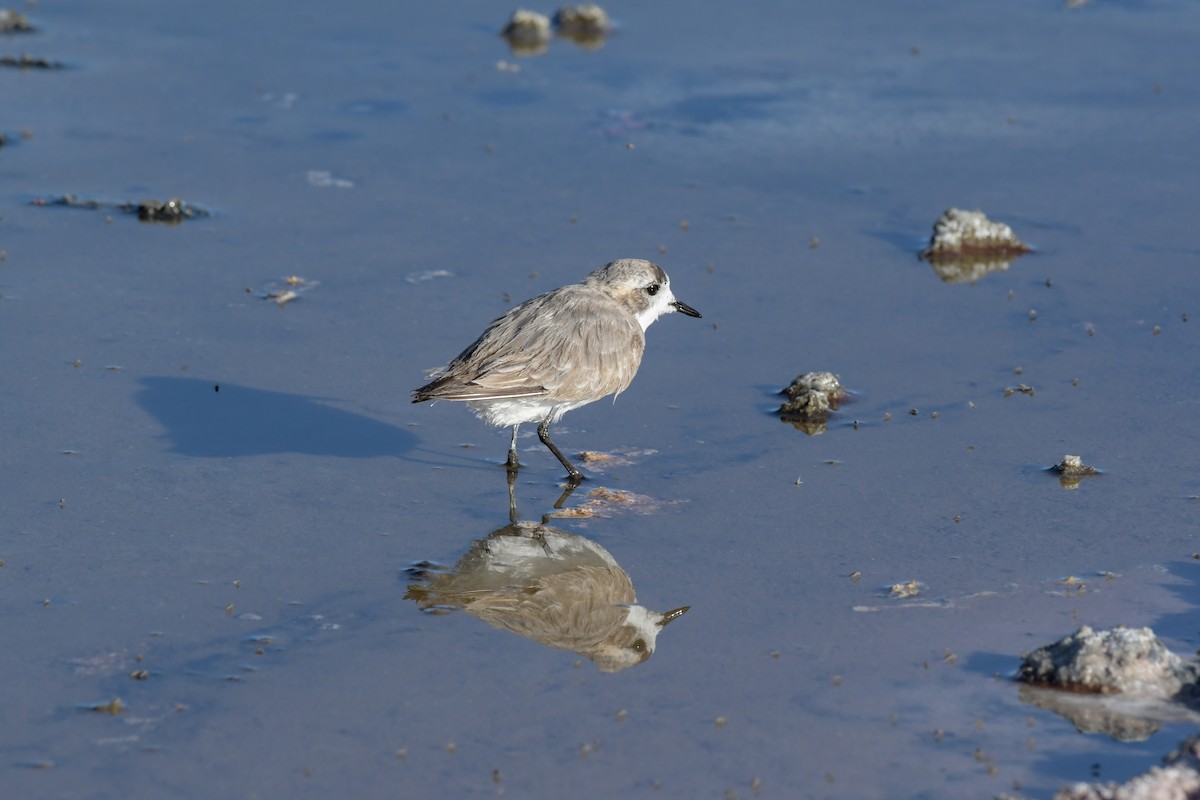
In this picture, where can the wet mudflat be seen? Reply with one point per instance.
(214, 501)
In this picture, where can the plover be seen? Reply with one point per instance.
(559, 351)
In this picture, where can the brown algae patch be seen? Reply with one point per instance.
(614, 458)
(966, 245)
(602, 502)
(595, 457)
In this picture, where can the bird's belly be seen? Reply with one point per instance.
(518, 410)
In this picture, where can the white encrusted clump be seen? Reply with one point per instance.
(1159, 783)
(527, 32)
(13, 22)
(1118, 661)
(966, 245)
(1071, 470)
(1073, 465)
(812, 395)
(586, 24)
(1177, 779)
(959, 232)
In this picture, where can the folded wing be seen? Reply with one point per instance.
(573, 345)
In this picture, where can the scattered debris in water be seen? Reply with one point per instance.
(587, 25)
(26, 61)
(811, 396)
(427, 275)
(171, 211)
(902, 591)
(285, 290)
(966, 245)
(1020, 388)
(324, 179)
(114, 706)
(68, 200)
(527, 33)
(618, 123)
(13, 22)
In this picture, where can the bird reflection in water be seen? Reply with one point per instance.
(555, 587)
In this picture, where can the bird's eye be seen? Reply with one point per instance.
(639, 646)
(652, 289)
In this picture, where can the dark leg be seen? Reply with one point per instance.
(544, 434)
(512, 497)
(512, 451)
(562, 498)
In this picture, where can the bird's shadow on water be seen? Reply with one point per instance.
(219, 420)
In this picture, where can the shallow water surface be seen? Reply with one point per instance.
(214, 503)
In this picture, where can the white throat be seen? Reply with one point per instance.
(660, 304)
(645, 622)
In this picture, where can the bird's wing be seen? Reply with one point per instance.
(574, 343)
(451, 387)
(600, 352)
